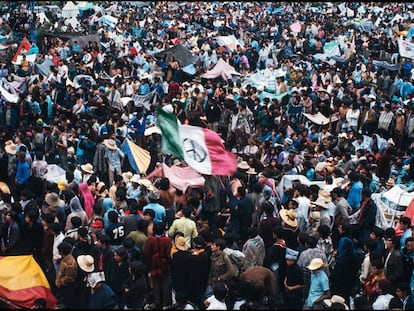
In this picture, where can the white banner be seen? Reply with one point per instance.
(406, 48)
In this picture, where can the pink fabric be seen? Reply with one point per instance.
(88, 200)
(223, 162)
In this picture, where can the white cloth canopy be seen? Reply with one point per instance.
(70, 10)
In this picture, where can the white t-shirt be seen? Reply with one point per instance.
(381, 303)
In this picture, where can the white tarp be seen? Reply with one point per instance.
(406, 48)
(229, 41)
(70, 10)
(320, 119)
(399, 196)
(13, 98)
(108, 20)
(287, 183)
(55, 173)
(330, 49)
(30, 58)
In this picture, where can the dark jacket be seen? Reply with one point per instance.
(179, 270)
(135, 296)
(393, 268)
(369, 212)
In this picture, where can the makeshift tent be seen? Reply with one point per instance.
(222, 69)
(287, 183)
(78, 78)
(24, 45)
(70, 10)
(55, 173)
(183, 55)
(44, 68)
(22, 281)
(109, 20)
(320, 119)
(229, 41)
(330, 49)
(180, 177)
(85, 5)
(386, 65)
(145, 101)
(138, 158)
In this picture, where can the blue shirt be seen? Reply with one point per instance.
(354, 195)
(319, 284)
(159, 210)
(22, 172)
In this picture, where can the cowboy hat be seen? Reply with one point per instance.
(320, 202)
(251, 171)
(145, 75)
(325, 195)
(110, 144)
(153, 195)
(343, 135)
(289, 217)
(135, 178)
(87, 168)
(316, 264)
(180, 243)
(146, 183)
(86, 263)
(243, 165)
(10, 147)
(127, 176)
(4, 188)
(335, 299)
(53, 199)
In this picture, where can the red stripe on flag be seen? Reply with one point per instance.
(25, 297)
(223, 162)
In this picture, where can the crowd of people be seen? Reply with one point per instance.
(110, 237)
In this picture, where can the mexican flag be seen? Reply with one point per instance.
(200, 148)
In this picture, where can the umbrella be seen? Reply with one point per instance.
(296, 27)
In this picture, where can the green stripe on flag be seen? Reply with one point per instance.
(170, 135)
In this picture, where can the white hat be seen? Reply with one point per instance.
(10, 147)
(135, 178)
(260, 88)
(316, 264)
(146, 183)
(88, 168)
(343, 135)
(110, 144)
(243, 165)
(335, 299)
(153, 195)
(289, 141)
(390, 141)
(86, 263)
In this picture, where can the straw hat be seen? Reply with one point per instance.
(145, 75)
(336, 299)
(316, 264)
(289, 217)
(390, 182)
(146, 183)
(110, 144)
(127, 176)
(243, 165)
(86, 263)
(87, 168)
(135, 178)
(10, 147)
(180, 243)
(4, 188)
(325, 195)
(53, 199)
(315, 215)
(251, 171)
(320, 202)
